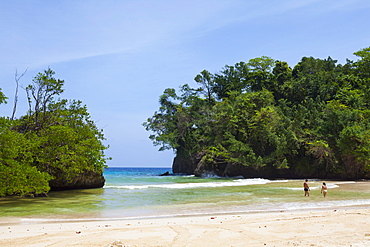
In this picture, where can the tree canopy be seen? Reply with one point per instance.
(311, 120)
(55, 140)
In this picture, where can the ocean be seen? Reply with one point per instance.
(131, 193)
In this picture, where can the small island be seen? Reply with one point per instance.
(54, 146)
(262, 118)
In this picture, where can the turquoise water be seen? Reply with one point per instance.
(140, 192)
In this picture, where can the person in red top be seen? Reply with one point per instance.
(306, 188)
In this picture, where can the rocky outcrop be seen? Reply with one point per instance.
(165, 174)
(186, 165)
(86, 180)
(215, 168)
(219, 167)
(235, 170)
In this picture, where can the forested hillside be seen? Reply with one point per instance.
(54, 145)
(310, 120)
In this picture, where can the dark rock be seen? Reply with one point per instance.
(216, 168)
(41, 195)
(165, 174)
(219, 167)
(86, 180)
(186, 165)
(234, 170)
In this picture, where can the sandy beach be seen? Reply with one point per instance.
(341, 227)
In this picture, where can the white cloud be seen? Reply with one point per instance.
(75, 30)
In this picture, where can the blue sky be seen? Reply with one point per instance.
(119, 56)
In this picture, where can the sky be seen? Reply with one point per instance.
(118, 57)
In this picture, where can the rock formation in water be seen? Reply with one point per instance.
(196, 166)
(185, 165)
(86, 180)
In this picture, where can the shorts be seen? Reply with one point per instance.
(305, 189)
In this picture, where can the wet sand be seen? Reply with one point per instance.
(334, 227)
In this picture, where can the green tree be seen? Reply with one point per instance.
(231, 79)
(354, 146)
(207, 85)
(70, 142)
(53, 144)
(40, 94)
(282, 76)
(252, 130)
(2, 97)
(362, 66)
(261, 73)
(18, 176)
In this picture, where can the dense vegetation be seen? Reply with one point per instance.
(311, 121)
(55, 140)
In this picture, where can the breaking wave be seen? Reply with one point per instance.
(237, 182)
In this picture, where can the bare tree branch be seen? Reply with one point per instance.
(16, 78)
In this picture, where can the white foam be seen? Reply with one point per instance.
(329, 185)
(325, 204)
(346, 182)
(238, 182)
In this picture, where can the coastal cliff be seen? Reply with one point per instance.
(184, 164)
(198, 166)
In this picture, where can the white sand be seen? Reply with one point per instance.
(344, 227)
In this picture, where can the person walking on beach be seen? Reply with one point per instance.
(324, 189)
(306, 188)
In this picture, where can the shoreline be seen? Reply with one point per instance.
(347, 226)
(13, 221)
(41, 220)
